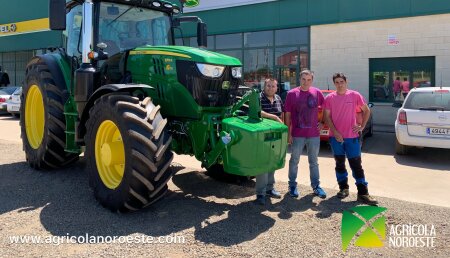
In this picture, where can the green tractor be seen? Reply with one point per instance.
(123, 94)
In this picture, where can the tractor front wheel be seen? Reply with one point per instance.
(128, 152)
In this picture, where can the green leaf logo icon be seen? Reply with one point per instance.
(365, 225)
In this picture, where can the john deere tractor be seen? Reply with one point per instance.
(122, 93)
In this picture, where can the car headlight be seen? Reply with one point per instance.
(236, 72)
(214, 71)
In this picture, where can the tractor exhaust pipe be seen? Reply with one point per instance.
(85, 75)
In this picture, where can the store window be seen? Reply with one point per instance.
(258, 39)
(391, 77)
(258, 66)
(294, 36)
(229, 41)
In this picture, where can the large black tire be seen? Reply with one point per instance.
(147, 154)
(50, 152)
(401, 149)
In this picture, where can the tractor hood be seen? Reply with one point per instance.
(188, 53)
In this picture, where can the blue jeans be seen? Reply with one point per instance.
(264, 182)
(312, 147)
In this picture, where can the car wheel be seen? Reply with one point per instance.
(401, 149)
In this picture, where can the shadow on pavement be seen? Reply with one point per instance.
(67, 207)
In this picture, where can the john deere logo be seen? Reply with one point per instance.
(364, 226)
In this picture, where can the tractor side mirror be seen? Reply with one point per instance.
(202, 35)
(57, 14)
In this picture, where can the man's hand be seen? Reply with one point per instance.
(289, 139)
(320, 126)
(358, 128)
(338, 136)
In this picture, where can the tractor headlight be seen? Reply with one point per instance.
(214, 71)
(236, 72)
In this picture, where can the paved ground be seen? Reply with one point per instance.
(219, 219)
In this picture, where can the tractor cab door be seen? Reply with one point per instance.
(72, 36)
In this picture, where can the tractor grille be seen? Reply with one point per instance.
(208, 92)
(158, 66)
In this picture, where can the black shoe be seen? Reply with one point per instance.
(342, 193)
(260, 199)
(293, 191)
(274, 194)
(367, 199)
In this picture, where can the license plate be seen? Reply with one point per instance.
(14, 108)
(323, 132)
(438, 131)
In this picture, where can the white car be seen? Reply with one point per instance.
(5, 94)
(424, 120)
(13, 104)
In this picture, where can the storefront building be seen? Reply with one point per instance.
(372, 41)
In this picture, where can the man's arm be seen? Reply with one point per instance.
(329, 122)
(270, 116)
(366, 115)
(287, 121)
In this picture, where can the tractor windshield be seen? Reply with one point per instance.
(123, 27)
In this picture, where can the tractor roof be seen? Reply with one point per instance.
(139, 3)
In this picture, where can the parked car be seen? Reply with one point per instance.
(367, 132)
(5, 94)
(13, 103)
(424, 120)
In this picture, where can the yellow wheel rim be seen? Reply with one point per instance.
(109, 154)
(34, 117)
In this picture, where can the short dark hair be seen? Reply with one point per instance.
(339, 75)
(405, 79)
(267, 81)
(398, 78)
(307, 72)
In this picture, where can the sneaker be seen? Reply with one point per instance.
(318, 191)
(293, 191)
(273, 193)
(367, 199)
(260, 199)
(342, 193)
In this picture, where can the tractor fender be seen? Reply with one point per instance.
(53, 67)
(105, 89)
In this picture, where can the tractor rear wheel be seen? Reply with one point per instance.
(42, 119)
(128, 152)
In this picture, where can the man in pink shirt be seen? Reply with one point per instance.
(405, 87)
(397, 87)
(304, 131)
(340, 116)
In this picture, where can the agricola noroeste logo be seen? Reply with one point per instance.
(363, 225)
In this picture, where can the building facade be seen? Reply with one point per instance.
(371, 41)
